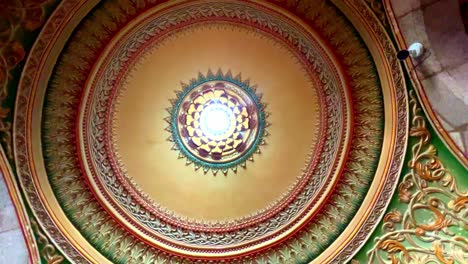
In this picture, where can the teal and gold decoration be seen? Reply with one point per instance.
(217, 122)
(222, 131)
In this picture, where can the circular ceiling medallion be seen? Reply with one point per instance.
(217, 122)
(116, 164)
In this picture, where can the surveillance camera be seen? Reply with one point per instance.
(403, 55)
(415, 50)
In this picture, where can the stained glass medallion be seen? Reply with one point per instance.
(217, 122)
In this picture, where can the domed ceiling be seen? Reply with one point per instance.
(210, 131)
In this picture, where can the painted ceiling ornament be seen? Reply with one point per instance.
(217, 122)
(91, 160)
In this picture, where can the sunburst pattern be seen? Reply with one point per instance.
(237, 135)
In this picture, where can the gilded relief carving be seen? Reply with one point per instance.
(433, 226)
(48, 252)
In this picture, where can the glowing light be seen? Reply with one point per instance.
(216, 121)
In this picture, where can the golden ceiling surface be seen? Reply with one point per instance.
(206, 131)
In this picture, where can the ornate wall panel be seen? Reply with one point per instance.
(212, 131)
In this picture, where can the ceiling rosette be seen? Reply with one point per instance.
(135, 122)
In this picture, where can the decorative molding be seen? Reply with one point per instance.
(29, 78)
(19, 22)
(387, 49)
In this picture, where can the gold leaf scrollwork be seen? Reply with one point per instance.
(391, 218)
(433, 225)
(438, 251)
(48, 252)
(393, 246)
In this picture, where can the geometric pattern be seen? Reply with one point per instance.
(230, 146)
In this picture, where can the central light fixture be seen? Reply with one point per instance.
(216, 121)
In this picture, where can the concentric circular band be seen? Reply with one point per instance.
(352, 133)
(297, 204)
